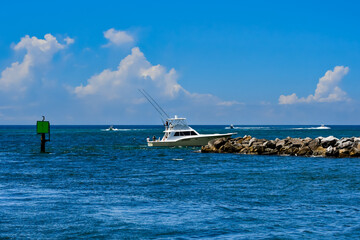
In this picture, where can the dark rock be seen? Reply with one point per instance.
(270, 151)
(304, 151)
(280, 144)
(295, 142)
(270, 144)
(228, 148)
(332, 151)
(314, 144)
(328, 141)
(344, 153)
(206, 149)
(252, 141)
(219, 142)
(354, 152)
(320, 151)
(306, 141)
(344, 144)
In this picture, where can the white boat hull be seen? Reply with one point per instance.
(193, 141)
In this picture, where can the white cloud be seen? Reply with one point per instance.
(327, 89)
(133, 72)
(38, 51)
(136, 72)
(117, 38)
(69, 40)
(229, 103)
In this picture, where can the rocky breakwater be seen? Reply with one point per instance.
(320, 146)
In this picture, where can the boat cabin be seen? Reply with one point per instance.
(177, 128)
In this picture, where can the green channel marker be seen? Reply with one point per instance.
(42, 127)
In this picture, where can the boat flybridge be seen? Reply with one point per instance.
(177, 132)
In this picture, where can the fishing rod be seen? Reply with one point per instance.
(157, 107)
(156, 103)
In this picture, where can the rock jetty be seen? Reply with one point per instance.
(320, 146)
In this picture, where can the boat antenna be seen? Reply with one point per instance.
(162, 110)
(155, 105)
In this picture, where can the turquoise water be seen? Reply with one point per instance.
(110, 185)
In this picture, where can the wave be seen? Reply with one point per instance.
(313, 128)
(117, 130)
(249, 128)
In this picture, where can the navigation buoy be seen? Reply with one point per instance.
(43, 128)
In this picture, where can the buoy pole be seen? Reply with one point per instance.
(43, 141)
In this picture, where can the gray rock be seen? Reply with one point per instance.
(314, 144)
(280, 143)
(304, 151)
(345, 144)
(328, 141)
(270, 144)
(228, 148)
(332, 151)
(219, 142)
(295, 142)
(252, 141)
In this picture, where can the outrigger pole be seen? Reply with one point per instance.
(157, 107)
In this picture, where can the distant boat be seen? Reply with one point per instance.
(231, 126)
(323, 127)
(111, 128)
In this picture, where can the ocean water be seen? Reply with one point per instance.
(110, 185)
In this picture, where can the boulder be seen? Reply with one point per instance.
(255, 141)
(244, 151)
(332, 151)
(270, 144)
(228, 147)
(280, 143)
(218, 142)
(206, 149)
(320, 151)
(211, 143)
(304, 151)
(295, 142)
(344, 153)
(306, 141)
(328, 141)
(292, 151)
(314, 144)
(345, 143)
(354, 152)
(270, 151)
(258, 149)
(238, 147)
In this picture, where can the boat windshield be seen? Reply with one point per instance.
(178, 124)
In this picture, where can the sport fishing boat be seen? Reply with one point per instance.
(177, 132)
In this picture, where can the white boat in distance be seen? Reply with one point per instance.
(178, 133)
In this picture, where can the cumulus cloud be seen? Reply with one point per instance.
(38, 51)
(117, 38)
(133, 72)
(136, 72)
(327, 89)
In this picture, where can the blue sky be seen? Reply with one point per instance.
(239, 62)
